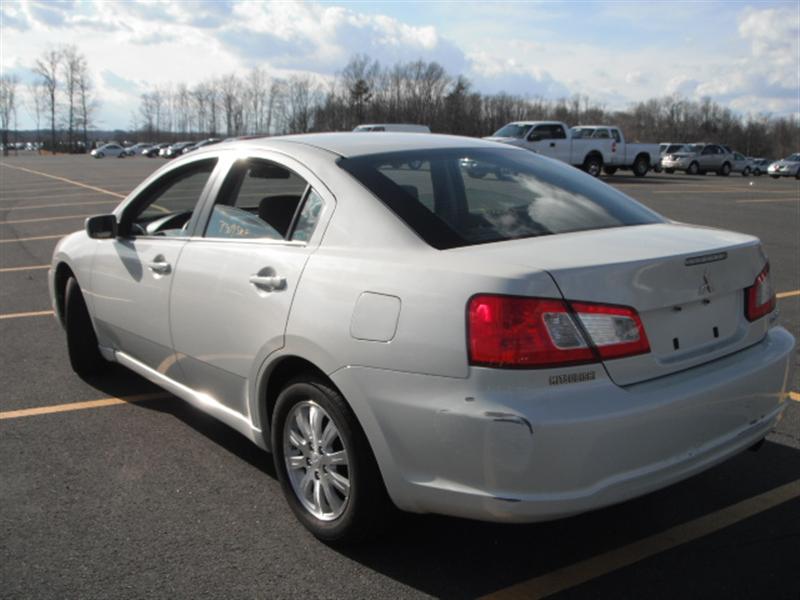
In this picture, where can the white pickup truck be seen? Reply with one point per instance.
(594, 148)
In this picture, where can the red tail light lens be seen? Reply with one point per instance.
(518, 332)
(759, 298)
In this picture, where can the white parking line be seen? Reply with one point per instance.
(33, 239)
(30, 268)
(44, 219)
(38, 313)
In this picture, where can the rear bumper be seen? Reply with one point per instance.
(508, 446)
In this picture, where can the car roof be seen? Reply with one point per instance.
(349, 144)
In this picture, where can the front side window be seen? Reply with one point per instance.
(261, 199)
(166, 207)
(460, 197)
(513, 130)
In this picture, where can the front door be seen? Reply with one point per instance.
(550, 139)
(235, 282)
(132, 274)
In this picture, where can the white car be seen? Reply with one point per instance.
(787, 167)
(112, 149)
(741, 164)
(395, 127)
(515, 347)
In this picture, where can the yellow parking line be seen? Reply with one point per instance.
(44, 219)
(32, 239)
(794, 396)
(38, 313)
(764, 200)
(64, 179)
(10, 198)
(35, 206)
(602, 564)
(102, 402)
(791, 294)
(29, 268)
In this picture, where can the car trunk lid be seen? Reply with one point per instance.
(686, 282)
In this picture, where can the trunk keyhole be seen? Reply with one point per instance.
(716, 332)
(675, 343)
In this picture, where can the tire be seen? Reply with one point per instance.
(365, 511)
(775, 176)
(670, 171)
(757, 173)
(99, 155)
(84, 355)
(641, 166)
(658, 168)
(693, 169)
(609, 170)
(593, 165)
(746, 172)
(797, 175)
(725, 170)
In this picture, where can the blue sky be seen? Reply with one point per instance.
(745, 55)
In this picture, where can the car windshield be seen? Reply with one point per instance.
(461, 197)
(794, 158)
(582, 132)
(513, 130)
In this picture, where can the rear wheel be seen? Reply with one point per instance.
(325, 465)
(693, 169)
(84, 355)
(725, 170)
(593, 165)
(746, 172)
(641, 166)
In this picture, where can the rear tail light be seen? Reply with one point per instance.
(512, 331)
(759, 298)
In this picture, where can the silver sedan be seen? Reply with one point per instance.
(401, 332)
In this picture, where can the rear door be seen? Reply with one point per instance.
(235, 282)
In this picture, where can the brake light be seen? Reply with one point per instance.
(759, 298)
(520, 332)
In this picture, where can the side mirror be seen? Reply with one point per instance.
(102, 227)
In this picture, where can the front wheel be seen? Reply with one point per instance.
(725, 170)
(641, 166)
(593, 165)
(746, 172)
(693, 169)
(325, 465)
(84, 354)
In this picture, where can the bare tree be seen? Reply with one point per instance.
(302, 97)
(47, 68)
(36, 106)
(71, 65)
(8, 106)
(87, 103)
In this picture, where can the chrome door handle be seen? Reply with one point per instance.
(161, 267)
(267, 282)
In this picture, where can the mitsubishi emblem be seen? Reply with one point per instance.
(706, 288)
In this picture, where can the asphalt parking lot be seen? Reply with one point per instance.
(110, 488)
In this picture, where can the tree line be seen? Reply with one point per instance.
(364, 91)
(62, 94)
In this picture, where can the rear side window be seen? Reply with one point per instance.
(453, 197)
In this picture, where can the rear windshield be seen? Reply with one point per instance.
(460, 197)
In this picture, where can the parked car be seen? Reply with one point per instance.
(202, 144)
(741, 164)
(786, 167)
(512, 349)
(137, 149)
(594, 148)
(175, 150)
(112, 149)
(396, 127)
(665, 148)
(154, 150)
(698, 159)
(760, 166)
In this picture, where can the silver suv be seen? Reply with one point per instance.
(698, 159)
